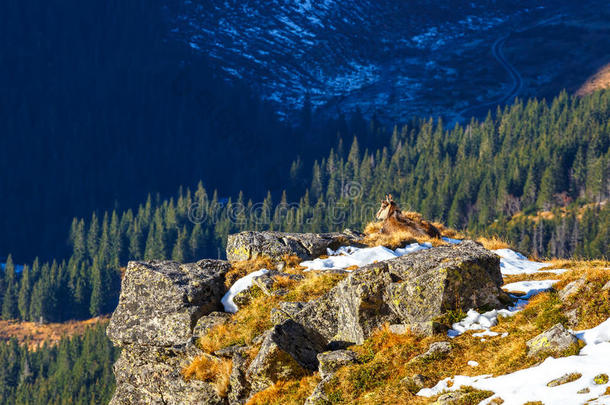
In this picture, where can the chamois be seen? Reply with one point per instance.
(395, 221)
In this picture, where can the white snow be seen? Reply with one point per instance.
(477, 321)
(530, 384)
(529, 288)
(486, 332)
(597, 335)
(485, 321)
(512, 263)
(240, 285)
(348, 256)
(473, 363)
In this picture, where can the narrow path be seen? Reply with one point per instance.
(497, 50)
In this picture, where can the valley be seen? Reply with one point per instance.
(396, 61)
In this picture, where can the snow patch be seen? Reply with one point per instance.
(529, 288)
(530, 384)
(240, 285)
(348, 256)
(477, 321)
(512, 263)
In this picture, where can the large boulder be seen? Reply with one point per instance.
(271, 365)
(274, 245)
(161, 302)
(149, 375)
(427, 284)
(352, 309)
(415, 290)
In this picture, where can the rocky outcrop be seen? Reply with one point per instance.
(165, 306)
(274, 245)
(414, 290)
(161, 302)
(160, 305)
(151, 375)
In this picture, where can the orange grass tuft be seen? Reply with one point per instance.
(210, 369)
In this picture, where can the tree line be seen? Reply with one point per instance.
(490, 176)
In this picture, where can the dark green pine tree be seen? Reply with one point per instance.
(96, 302)
(23, 300)
(9, 302)
(179, 252)
(93, 237)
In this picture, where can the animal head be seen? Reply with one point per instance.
(388, 207)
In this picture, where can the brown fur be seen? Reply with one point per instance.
(394, 220)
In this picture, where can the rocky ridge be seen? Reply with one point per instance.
(165, 306)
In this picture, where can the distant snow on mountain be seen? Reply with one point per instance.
(336, 53)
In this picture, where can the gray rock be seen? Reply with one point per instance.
(413, 290)
(285, 311)
(435, 351)
(353, 309)
(564, 379)
(243, 298)
(330, 362)
(301, 343)
(161, 302)
(249, 245)
(415, 382)
(207, 322)
(572, 288)
(239, 387)
(585, 390)
(270, 365)
(148, 375)
(229, 352)
(428, 283)
(451, 398)
(606, 286)
(555, 340)
(572, 316)
(318, 396)
(399, 328)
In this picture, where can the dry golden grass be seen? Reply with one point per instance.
(314, 285)
(248, 323)
(373, 237)
(35, 335)
(286, 392)
(243, 268)
(601, 80)
(293, 264)
(541, 275)
(592, 302)
(493, 243)
(252, 320)
(386, 357)
(210, 369)
(284, 282)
